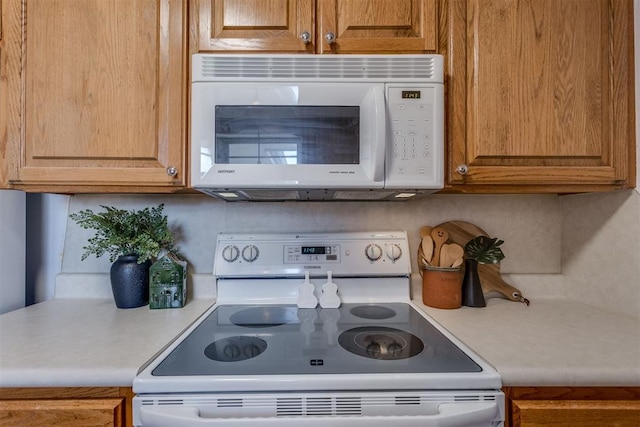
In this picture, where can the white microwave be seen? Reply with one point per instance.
(317, 127)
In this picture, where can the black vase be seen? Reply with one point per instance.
(472, 295)
(130, 282)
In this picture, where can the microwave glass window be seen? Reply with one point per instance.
(279, 134)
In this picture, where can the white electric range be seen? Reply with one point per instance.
(369, 357)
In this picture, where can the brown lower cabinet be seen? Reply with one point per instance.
(572, 406)
(66, 406)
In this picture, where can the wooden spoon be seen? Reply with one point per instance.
(427, 249)
(450, 253)
(457, 263)
(425, 231)
(444, 256)
(440, 237)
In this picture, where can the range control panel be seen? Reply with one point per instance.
(290, 255)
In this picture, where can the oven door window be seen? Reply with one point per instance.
(284, 134)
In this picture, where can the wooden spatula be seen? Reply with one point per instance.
(450, 253)
(427, 249)
(440, 237)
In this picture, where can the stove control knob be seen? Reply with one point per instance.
(230, 253)
(394, 252)
(250, 253)
(373, 252)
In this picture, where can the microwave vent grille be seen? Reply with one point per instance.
(427, 68)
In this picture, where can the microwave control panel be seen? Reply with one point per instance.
(415, 152)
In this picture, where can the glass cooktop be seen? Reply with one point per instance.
(284, 339)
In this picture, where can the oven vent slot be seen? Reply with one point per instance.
(229, 403)
(378, 67)
(162, 402)
(319, 406)
(289, 406)
(473, 398)
(408, 400)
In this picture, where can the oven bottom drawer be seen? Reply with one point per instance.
(424, 409)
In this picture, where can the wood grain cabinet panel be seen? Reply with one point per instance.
(253, 25)
(66, 406)
(359, 26)
(572, 406)
(85, 412)
(102, 92)
(540, 94)
(4, 164)
(570, 413)
(377, 26)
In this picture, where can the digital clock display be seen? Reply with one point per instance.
(410, 94)
(314, 250)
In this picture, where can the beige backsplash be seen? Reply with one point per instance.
(601, 249)
(541, 232)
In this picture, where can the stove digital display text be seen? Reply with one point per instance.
(314, 250)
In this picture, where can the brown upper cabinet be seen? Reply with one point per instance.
(4, 165)
(97, 95)
(540, 95)
(315, 26)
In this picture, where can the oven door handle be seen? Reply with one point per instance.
(462, 414)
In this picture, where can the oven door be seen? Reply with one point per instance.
(288, 135)
(370, 409)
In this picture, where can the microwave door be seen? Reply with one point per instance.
(277, 136)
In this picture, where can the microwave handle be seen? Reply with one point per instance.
(380, 147)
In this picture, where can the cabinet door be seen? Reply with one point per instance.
(101, 89)
(569, 413)
(377, 26)
(66, 406)
(254, 25)
(540, 94)
(63, 412)
(4, 165)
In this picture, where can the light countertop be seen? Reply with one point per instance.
(89, 342)
(552, 342)
(85, 342)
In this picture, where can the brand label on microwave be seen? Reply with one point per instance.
(226, 171)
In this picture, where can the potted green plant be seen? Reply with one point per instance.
(483, 250)
(132, 239)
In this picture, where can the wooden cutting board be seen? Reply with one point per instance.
(461, 232)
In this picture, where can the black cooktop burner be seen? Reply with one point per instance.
(235, 349)
(377, 312)
(264, 317)
(378, 342)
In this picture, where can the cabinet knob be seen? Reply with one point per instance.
(330, 37)
(172, 171)
(462, 169)
(305, 37)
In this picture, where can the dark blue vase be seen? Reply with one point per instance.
(130, 282)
